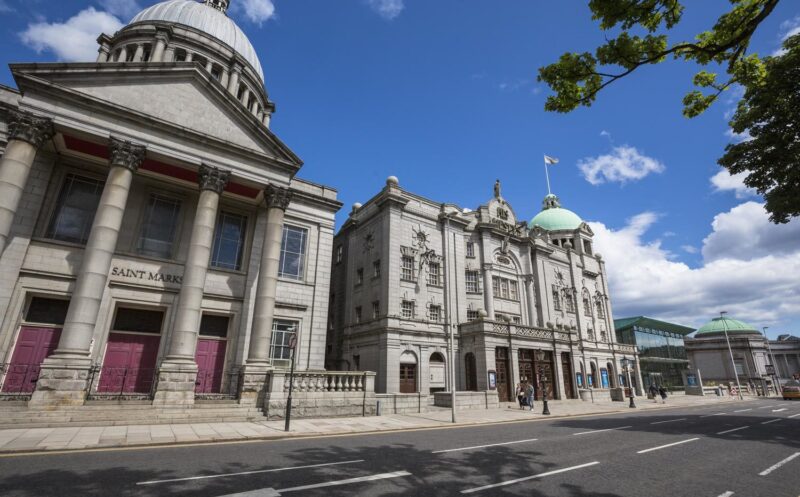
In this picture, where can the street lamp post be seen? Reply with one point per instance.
(776, 381)
(292, 348)
(626, 364)
(730, 351)
(542, 382)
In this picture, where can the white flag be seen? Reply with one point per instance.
(550, 160)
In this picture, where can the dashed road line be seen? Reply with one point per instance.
(598, 431)
(518, 480)
(770, 421)
(242, 473)
(667, 421)
(726, 494)
(731, 431)
(715, 414)
(667, 445)
(779, 410)
(743, 410)
(484, 446)
(381, 476)
(794, 415)
(778, 464)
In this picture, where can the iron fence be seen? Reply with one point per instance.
(19, 378)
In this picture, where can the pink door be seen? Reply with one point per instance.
(33, 346)
(210, 358)
(129, 364)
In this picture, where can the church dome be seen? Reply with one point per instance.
(717, 326)
(208, 17)
(553, 217)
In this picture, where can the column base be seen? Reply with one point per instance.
(176, 383)
(254, 383)
(63, 381)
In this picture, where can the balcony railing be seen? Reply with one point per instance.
(513, 329)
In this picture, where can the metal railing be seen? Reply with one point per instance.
(122, 382)
(19, 378)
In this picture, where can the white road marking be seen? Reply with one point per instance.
(598, 431)
(793, 415)
(381, 476)
(726, 494)
(778, 464)
(743, 410)
(206, 477)
(731, 431)
(779, 410)
(518, 480)
(715, 414)
(766, 407)
(484, 446)
(667, 421)
(668, 445)
(261, 492)
(770, 421)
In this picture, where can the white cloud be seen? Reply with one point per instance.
(724, 181)
(5, 7)
(124, 9)
(74, 39)
(789, 27)
(689, 249)
(388, 9)
(256, 11)
(738, 137)
(750, 269)
(624, 164)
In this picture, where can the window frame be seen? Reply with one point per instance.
(406, 270)
(176, 231)
(434, 276)
(303, 254)
(411, 309)
(245, 240)
(468, 283)
(284, 344)
(48, 229)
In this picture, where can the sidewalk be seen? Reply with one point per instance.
(71, 438)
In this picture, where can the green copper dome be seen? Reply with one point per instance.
(554, 217)
(718, 326)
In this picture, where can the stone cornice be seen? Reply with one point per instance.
(126, 154)
(212, 178)
(29, 128)
(277, 197)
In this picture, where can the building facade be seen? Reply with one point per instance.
(409, 273)
(154, 238)
(757, 361)
(662, 353)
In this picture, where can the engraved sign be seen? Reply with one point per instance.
(144, 275)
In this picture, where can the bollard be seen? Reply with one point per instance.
(378, 409)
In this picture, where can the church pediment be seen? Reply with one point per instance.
(175, 97)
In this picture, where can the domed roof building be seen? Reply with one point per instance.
(553, 217)
(718, 326)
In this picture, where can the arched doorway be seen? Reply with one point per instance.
(593, 380)
(408, 372)
(611, 375)
(471, 372)
(437, 372)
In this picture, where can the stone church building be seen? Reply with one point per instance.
(155, 240)
(520, 299)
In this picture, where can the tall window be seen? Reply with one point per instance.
(376, 309)
(601, 310)
(434, 274)
(229, 241)
(407, 268)
(358, 314)
(513, 293)
(556, 299)
(282, 332)
(471, 277)
(376, 269)
(470, 249)
(293, 252)
(435, 312)
(75, 208)
(338, 254)
(159, 226)
(569, 302)
(496, 286)
(472, 315)
(587, 306)
(505, 288)
(359, 276)
(407, 309)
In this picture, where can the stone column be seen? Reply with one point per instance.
(138, 55)
(178, 371)
(123, 54)
(233, 81)
(266, 119)
(63, 376)
(26, 133)
(103, 53)
(530, 295)
(161, 45)
(488, 291)
(245, 96)
(640, 383)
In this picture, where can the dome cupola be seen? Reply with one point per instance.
(553, 217)
(718, 326)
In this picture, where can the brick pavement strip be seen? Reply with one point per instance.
(44, 439)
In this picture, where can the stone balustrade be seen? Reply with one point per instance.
(625, 348)
(513, 329)
(328, 381)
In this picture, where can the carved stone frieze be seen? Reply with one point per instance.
(29, 128)
(125, 154)
(278, 197)
(212, 178)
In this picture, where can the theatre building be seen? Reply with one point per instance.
(155, 241)
(520, 299)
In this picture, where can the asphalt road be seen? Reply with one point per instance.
(747, 449)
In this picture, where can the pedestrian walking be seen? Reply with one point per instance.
(529, 392)
(663, 393)
(521, 393)
(654, 392)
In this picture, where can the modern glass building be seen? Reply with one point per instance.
(661, 349)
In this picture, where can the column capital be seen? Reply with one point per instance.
(277, 196)
(213, 178)
(25, 126)
(125, 154)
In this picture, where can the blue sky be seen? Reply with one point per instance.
(443, 95)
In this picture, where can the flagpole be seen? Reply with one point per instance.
(547, 175)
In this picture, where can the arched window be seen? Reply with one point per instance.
(180, 55)
(611, 374)
(587, 303)
(600, 305)
(147, 53)
(408, 372)
(593, 380)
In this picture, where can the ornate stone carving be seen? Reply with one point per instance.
(29, 128)
(212, 178)
(125, 154)
(277, 197)
(369, 242)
